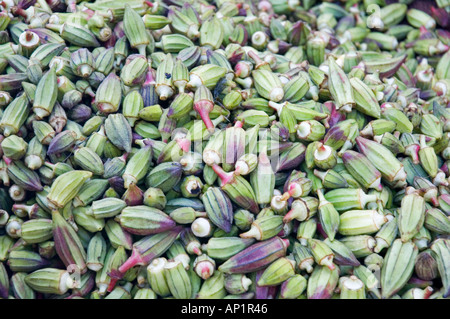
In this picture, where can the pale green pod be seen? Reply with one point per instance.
(66, 187)
(178, 280)
(411, 216)
(360, 222)
(398, 267)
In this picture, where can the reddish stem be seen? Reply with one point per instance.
(149, 79)
(197, 251)
(225, 177)
(423, 30)
(112, 284)
(184, 144)
(134, 260)
(7, 160)
(434, 201)
(415, 154)
(89, 12)
(19, 11)
(255, 57)
(428, 293)
(203, 108)
(288, 217)
(125, 156)
(291, 189)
